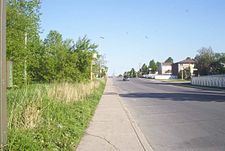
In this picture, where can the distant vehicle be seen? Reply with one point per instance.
(151, 76)
(125, 78)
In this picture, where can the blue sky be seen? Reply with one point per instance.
(136, 31)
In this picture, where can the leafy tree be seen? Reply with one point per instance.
(217, 67)
(220, 57)
(186, 74)
(204, 58)
(130, 74)
(99, 66)
(152, 66)
(85, 44)
(144, 69)
(139, 74)
(158, 65)
(85, 50)
(53, 59)
(60, 60)
(22, 35)
(104, 71)
(133, 73)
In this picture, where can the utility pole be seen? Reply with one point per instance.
(182, 73)
(3, 105)
(91, 70)
(94, 56)
(25, 61)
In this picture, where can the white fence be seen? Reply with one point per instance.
(210, 81)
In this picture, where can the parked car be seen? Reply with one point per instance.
(125, 78)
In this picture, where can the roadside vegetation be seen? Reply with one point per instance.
(55, 88)
(54, 58)
(51, 116)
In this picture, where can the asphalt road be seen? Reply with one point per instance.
(173, 117)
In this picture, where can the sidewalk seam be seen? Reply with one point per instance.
(140, 136)
(103, 138)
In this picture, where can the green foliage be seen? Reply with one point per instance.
(208, 62)
(84, 44)
(220, 57)
(185, 74)
(144, 69)
(217, 67)
(152, 66)
(53, 59)
(61, 125)
(203, 59)
(99, 68)
(22, 35)
(43, 61)
(131, 74)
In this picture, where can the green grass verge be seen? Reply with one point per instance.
(60, 125)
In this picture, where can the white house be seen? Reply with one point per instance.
(188, 63)
(165, 68)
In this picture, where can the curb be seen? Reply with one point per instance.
(182, 84)
(205, 88)
(142, 139)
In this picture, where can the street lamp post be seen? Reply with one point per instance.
(94, 56)
(182, 73)
(3, 105)
(25, 61)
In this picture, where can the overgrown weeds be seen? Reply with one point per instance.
(68, 92)
(51, 117)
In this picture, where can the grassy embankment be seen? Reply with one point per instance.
(51, 117)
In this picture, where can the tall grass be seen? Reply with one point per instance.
(51, 117)
(68, 92)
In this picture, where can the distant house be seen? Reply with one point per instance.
(165, 68)
(188, 63)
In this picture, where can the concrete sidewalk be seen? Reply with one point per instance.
(112, 127)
